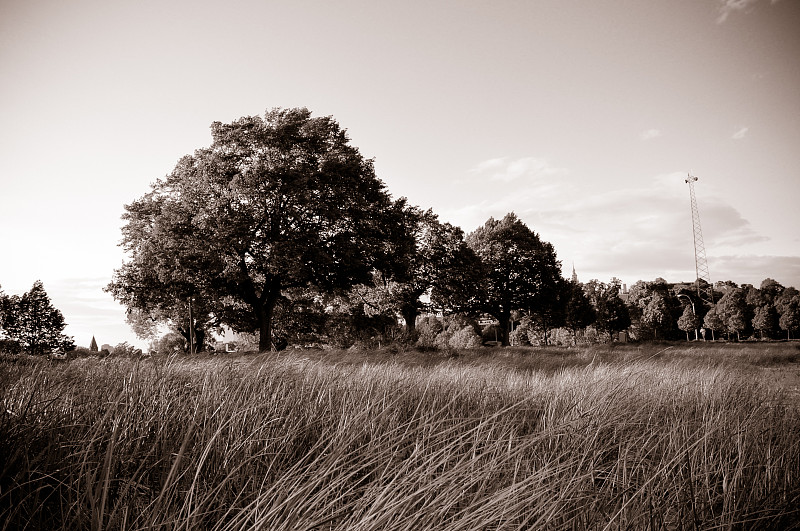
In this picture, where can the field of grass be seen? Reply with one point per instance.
(668, 436)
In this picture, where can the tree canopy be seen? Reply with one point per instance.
(274, 203)
(522, 272)
(33, 322)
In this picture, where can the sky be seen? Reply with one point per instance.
(583, 118)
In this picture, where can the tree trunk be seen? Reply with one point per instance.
(265, 330)
(409, 314)
(503, 321)
(265, 314)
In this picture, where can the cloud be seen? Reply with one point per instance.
(504, 170)
(752, 269)
(740, 134)
(726, 7)
(634, 234)
(650, 134)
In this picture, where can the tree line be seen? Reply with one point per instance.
(668, 311)
(281, 227)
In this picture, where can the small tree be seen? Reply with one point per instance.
(688, 321)
(713, 322)
(765, 320)
(789, 308)
(35, 323)
(732, 310)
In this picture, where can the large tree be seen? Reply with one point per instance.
(522, 272)
(275, 203)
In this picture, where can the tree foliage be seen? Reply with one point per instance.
(274, 203)
(578, 312)
(32, 321)
(733, 311)
(431, 261)
(788, 306)
(611, 313)
(522, 272)
(688, 321)
(765, 320)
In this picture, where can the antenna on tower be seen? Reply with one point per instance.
(700, 263)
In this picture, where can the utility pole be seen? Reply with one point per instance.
(700, 263)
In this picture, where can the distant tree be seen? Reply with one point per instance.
(688, 321)
(733, 311)
(610, 310)
(753, 296)
(93, 345)
(713, 321)
(788, 306)
(656, 316)
(654, 308)
(522, 272)
(770, 290)
(5, 307)
(578, 311)
(33, 321)
(275, 203)
(765, 320)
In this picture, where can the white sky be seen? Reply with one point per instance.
(581, 117)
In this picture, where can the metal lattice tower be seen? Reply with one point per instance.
(700, 263)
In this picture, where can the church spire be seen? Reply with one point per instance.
(574, 274)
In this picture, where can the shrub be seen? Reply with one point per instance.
(428, 328)
(124, 349)
(10, 346)
(465, 338)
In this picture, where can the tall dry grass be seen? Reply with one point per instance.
(607, 439)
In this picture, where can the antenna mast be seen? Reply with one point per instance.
(700, 263)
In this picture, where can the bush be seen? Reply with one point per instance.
(465, 338)
(83, 352)
(10, 346)
(124, 349)
(428, 328)
(168, 344)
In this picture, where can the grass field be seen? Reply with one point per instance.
(663, 436)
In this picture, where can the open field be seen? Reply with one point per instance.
(661, 436)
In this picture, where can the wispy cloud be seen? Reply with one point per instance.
(634, 234)
(726, 7)
(740, 134)
(649, 134)
(505, 170)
